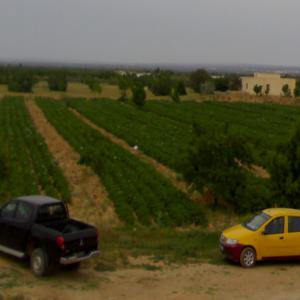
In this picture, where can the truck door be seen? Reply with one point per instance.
(21, 227)
(7, 215)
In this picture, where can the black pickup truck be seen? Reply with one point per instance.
(39, 227)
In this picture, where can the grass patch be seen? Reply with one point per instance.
(168, 245)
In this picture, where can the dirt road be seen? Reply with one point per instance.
(199, 281)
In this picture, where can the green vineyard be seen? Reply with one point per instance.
(27, 167)
(164, 130)
(139, 193)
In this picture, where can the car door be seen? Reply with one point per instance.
(272, 239)
(7, 215)
(293, 236)
(21, 226)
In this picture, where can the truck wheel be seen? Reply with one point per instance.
(248, 257)
(39, 262)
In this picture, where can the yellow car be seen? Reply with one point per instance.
(273, 234)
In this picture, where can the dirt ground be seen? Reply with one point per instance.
(89, 198)
(198, 281)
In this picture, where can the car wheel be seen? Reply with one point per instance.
(248, 257)
(39, 262)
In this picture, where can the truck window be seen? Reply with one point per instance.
(294, 224)
(8, 211)
(24, 212)
(52, 212)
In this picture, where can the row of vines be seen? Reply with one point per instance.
(26, 167)
(164, 130)
(140, 194)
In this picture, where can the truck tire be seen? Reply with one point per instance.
(39, 262)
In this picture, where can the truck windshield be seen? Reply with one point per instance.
(52, 212)
(256, 222)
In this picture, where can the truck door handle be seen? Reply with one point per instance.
(281, 238)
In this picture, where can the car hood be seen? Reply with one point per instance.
(238, 232)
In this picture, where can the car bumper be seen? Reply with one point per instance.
(232, 252)
(68, 260)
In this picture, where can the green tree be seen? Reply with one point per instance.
(20, 80)
(267, 90)
(198, 78)
(258, 90)
(93, 84)
(138, 95)
(208, 87)
(180, 87)
(217, 161)
(175, 95)
(161, 84)
(286, 91)
(124, 84)
(285, 172)
(297, 89)
(57, 82)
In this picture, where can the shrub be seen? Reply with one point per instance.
(198, 78)
(93, 84)
(138, 95)
(217, 161)
(285, 172)
(286, 91)
(208, 88)
(175, 96)
(258, 89)
(57, 82)
(180, 87)
(161, 84)
(20, 81)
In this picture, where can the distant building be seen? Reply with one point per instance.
(269, 81)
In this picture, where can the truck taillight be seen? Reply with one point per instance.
(60, 242)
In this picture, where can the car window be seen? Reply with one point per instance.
(8, 211)
(24, 212)
(276, 226)
(294, 224)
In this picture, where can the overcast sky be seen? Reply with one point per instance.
(151, 31)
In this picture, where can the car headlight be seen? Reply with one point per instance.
(232, 241)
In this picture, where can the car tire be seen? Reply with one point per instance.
(39, 262)
(248, 258)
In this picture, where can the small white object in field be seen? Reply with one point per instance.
(136, 147)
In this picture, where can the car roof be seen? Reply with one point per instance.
(273, 212)
(38, 200)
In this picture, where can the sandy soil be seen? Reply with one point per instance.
(198, 281)
(89, 198)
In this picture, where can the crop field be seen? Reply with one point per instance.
(139, 193)
(27, 166)
(164, 130)
(164, 139)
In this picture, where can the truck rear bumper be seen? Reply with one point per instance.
(73, 259)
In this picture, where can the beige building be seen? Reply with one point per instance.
(269, 81)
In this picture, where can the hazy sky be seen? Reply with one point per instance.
(151, 31)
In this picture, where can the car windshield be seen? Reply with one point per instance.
(52, 212)
(257, 221)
